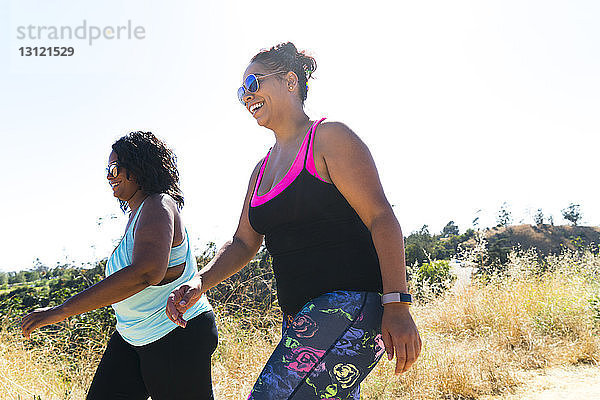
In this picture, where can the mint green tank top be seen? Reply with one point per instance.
(141, 318)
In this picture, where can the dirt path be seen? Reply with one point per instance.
(565, 383)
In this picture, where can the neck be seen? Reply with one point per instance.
(289, 128)
(136, 200)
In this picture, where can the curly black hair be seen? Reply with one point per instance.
(151, 162)
(285, 57)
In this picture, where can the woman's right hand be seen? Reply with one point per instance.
(182, 298)
(42, 317)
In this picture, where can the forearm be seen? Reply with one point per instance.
(389, 244)
(230, 258)
(116, 287)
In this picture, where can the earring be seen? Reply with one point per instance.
(291, 88)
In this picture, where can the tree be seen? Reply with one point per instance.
(504, 217)
(450, 229)
(418, 246)
(538, 217)
(572, 213)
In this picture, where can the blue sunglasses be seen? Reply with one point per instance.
(250, 85)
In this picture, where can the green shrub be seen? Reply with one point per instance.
(431, 279)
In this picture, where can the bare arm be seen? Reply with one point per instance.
(352, 170)
(152, 245)
(231, 257)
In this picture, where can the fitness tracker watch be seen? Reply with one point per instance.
(396, 297)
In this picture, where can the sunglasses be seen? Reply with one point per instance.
(250, 85)
(113, 169)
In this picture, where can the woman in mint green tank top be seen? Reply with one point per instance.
(153, 258)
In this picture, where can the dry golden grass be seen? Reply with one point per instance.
(476, 341)
(28, 371)
(242, 352)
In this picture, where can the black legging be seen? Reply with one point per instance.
(176, 366)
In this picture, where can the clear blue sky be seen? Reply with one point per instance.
(464, 105)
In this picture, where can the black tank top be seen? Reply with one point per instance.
(318, 242)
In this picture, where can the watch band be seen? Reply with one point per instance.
(396, 297)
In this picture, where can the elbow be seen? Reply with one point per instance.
(384, 217)
(153, 281)
(250, 249)
(152, 277)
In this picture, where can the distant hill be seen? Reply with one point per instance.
(547, 239)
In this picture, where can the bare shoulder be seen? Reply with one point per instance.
(335, 129)
(253, 178)
(160, 203)
(258, 165)
(336, 136)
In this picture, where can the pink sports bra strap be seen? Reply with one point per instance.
(309, 162)
(304, 159)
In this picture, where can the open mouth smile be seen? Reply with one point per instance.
(255, 107)
(113, 184)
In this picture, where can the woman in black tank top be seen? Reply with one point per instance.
(336, 244)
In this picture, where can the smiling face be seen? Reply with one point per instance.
(272, 100)
(123, 188)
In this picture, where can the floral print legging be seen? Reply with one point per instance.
(326, 349)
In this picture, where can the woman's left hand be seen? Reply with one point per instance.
(41, 317)
(400, 336)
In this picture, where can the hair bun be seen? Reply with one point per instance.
(308, 63)
(288, 48)
(286, 57)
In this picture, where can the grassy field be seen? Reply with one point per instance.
(477, 340)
